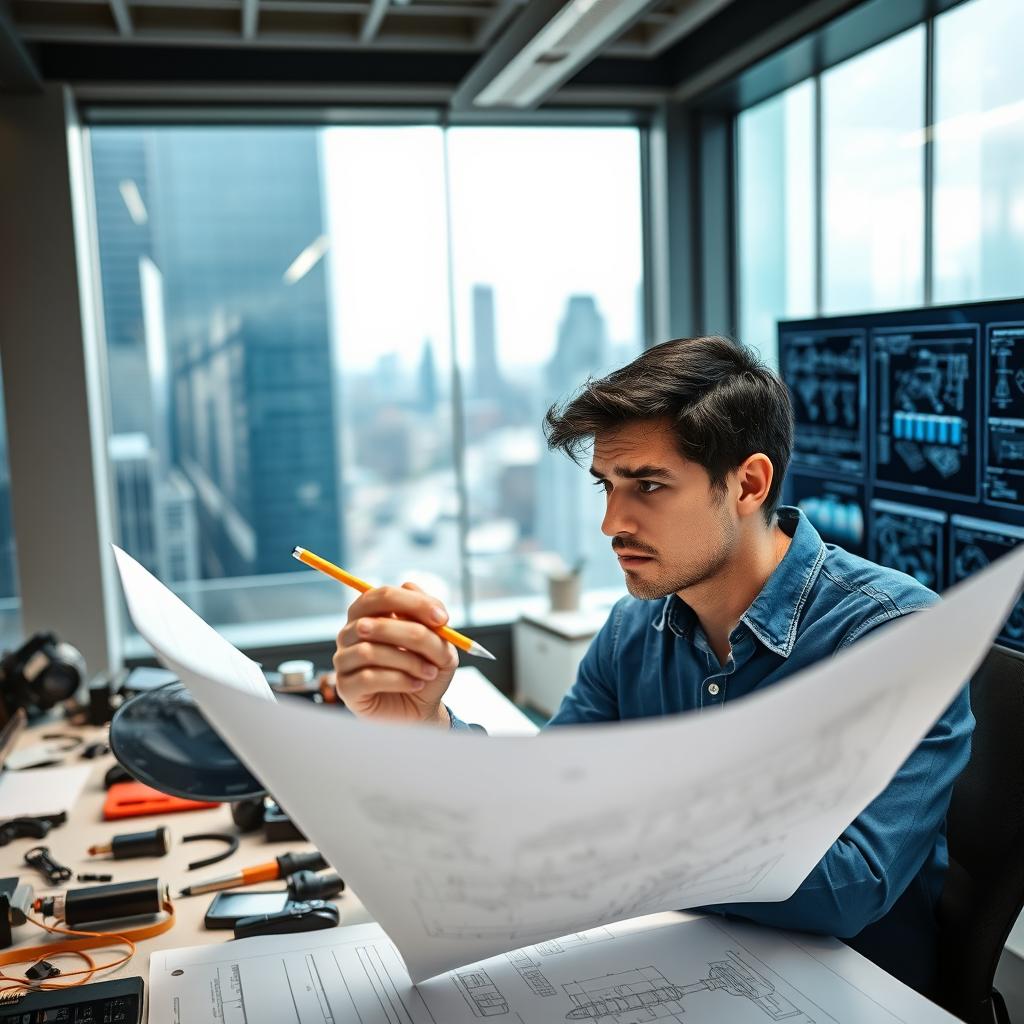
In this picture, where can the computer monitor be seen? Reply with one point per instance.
(909, 443)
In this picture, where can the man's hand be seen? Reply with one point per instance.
(389, 664)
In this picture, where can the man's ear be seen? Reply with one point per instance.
(755, 476)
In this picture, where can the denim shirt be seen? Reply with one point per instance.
(877, 886)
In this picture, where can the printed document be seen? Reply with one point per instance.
(466, 846)
(663, 969)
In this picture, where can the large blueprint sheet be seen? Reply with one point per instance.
(465, 846)
(652, 969)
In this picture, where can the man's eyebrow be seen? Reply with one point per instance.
(639, 473)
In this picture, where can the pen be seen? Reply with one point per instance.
(280, 867)
(330, 569)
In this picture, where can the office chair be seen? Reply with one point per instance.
(984, 888)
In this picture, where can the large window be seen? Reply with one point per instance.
(873, 178)
(299, 355)
(775, 175)
(877, 209)
(979, 152)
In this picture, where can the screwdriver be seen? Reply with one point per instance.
(280, 867)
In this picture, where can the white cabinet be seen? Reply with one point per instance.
(548, 649)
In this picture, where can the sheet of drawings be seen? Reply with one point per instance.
(696, 972)
(464, 846)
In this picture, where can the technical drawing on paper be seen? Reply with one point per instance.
(480, 992)
(554, 946)
(529, 970)
(644, 994)
(382, 983)
(686, 844)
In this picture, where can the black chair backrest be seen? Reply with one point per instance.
(984, 888)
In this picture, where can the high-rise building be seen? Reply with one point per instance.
(215, 302)
(569, 511)
(581, 349)
(487, 382)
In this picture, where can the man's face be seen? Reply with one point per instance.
(670, 530)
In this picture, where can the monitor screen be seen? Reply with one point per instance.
(909, 445)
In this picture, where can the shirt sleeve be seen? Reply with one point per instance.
(593, 697)
(869, 866)
(456, 724)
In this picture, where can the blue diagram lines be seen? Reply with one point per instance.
(826, 375)
(926, 409)
(1003, 474)
(974, 543)
(910, 539)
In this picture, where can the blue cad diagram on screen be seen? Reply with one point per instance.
(909, 538)
(826, 374)
(1003, 478)
(930, 479)
(976, 543)
(926, 403)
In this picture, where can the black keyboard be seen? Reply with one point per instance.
(103, 1002)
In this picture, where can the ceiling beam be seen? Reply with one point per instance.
(250, 18)
(688, 19)
(545, 46)
(371, 23)
(495, 21)
(122, 17)
(18, 71)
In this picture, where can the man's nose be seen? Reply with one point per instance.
(616, 521)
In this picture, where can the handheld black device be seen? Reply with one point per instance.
(230, 905)
(311, 916)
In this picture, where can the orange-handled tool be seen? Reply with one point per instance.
(280, 867)
(336, 573)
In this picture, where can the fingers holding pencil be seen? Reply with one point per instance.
(389, 661)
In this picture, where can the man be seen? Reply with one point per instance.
(729, 594)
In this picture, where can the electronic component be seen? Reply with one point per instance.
(42, 971)
(296, 917)
(230, 906)
(104, 902)
(118, 1001)
(154, 843)
(308, 885)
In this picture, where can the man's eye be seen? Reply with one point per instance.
(603, 484)
(649, 486)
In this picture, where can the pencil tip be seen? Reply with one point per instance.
(296, 552)
(481, 652)
(184, 892)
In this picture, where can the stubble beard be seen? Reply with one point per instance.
(661, 585)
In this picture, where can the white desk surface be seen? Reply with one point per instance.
(471, 696)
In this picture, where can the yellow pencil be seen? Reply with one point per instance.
(336, 573)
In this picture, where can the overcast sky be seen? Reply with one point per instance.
(540, 214)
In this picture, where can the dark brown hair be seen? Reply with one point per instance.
(723, 401)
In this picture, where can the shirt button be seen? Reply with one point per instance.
(713, 689)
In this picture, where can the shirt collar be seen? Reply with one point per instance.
(775, 613)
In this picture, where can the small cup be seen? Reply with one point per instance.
(564, 592)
